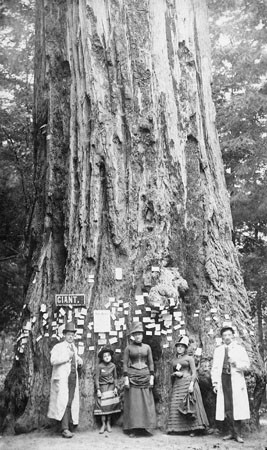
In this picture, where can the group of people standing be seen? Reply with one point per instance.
(186, 410)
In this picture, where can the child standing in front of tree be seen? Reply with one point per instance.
(107, 402)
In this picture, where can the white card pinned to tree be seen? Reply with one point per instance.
(101, 321)
(135, 319)
(81, 348)
(91, 348)
(113, 340)
(155, 269)
(27, 326)
(118, 273)
(198, 351)
(42, 308)
(149, 333)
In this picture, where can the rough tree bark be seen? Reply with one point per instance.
(128, 174)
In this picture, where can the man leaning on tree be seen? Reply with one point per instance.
(230, 360)
(64, 393)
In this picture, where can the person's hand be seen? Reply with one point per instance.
(115, 391)
(178, 373)
(215, 389)
(99, 393)
(151, 381)
(191, 387)
(126, 382)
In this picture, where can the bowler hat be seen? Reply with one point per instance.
(105, 350)
(226, 328)
(137, 328)
(69, 328)
(183, 340)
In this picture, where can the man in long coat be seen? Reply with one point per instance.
(64, 393)
(230, 360)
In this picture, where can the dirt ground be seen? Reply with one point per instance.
(117, 440)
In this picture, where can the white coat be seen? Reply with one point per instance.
(59, 391)
(237, 354)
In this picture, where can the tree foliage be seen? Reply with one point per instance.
(16, 188)
(239, 36)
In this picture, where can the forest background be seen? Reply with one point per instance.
(238, 32)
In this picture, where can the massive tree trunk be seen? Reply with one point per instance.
(128, 175)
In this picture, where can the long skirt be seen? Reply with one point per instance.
(178, 422)
(139, 407)
(109, 403)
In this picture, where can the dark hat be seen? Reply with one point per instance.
(70, 327)
(183, 340)
(137, 328)
(105, 350)
(226, 328)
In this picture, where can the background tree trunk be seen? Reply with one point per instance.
(129, 175)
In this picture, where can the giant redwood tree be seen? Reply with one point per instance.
(128, 175)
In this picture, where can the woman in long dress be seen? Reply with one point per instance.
(184, 379)
(138, 367)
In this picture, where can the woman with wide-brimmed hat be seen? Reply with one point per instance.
(187, 413)
(138, 367)
(107, 401)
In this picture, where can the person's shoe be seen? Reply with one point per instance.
(239, 439)
(209, 431)
(102, 429)
(109, 429)
(228, 437)
(67, 434)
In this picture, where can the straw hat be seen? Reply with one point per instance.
(183, 340)
(137, 328)
(105, 350)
